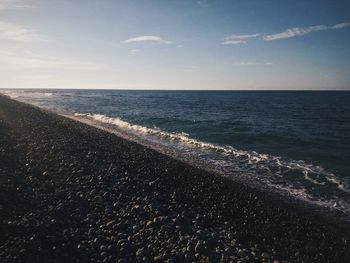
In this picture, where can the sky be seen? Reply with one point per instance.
(175, 44)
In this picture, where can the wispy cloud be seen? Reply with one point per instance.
(294, 32)
(15, 4)
(233, 42)
(156, 39)
(252, 63)
(134, 51)
(299, 31)
(341, 25)
(203, 3)
(288, 33)
(190, 69)
(19, 33)
(238, 39)
(241, 36)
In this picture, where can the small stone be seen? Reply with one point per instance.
(98, 240)
(110, 223)
(158, 258)
(199, 247)
(140, 252)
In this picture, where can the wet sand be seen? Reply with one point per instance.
(70, 192)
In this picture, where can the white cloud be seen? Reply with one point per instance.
(341, 25)
(134, 51)
(288, 33)
(237, 39)
(294, 32)
(233, 42)
(299, 31)
(15, 4)
(157, 39)
(19, 33)
(252, 63)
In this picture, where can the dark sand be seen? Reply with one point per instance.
(73, 193)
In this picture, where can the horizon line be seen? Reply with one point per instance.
(145, 89)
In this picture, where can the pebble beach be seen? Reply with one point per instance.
(70, 192)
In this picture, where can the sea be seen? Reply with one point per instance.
(295, 143)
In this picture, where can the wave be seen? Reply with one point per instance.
(297, 178)
(290, 177)
(342, 185)
(11, 94)
(17, 94)
(251, 157)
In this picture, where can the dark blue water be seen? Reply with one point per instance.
(296, 142)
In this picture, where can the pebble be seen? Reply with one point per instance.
(87, 209)
(265, 255)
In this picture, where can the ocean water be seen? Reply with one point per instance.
(295, 143)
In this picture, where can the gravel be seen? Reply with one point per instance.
(74, 193)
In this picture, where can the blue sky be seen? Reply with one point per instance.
(175, 44)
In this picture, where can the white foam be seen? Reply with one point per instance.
(28, 94)
(339, 183)
(307, 177)
(11, 94)
(256, 167)
(251, 157)
(293, 177)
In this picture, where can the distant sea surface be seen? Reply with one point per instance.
(296, 143)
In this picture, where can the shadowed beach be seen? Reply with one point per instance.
(70, 192)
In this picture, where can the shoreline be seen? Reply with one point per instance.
(79, 184)
(275, 193)
(189, 159)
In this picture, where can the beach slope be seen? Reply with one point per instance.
(70, 192)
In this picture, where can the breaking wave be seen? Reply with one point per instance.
(292, 177)
(27, 94)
